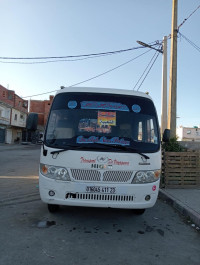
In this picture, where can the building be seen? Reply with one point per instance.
(13, 115)
(42, 107)
(5, 114)
(188, 133)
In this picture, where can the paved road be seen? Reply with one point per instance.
(18, 173)
(29, 234)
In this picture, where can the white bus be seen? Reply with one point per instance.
(101, 149)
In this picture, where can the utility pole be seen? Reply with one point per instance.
(173, 73)
(164, 81)
(164, 88)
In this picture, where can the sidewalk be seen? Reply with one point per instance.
(186, 201)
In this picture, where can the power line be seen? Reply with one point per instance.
(110, 69)
(190, 42)
(89, 79)
(72, 56)
(180, 25)
(188, 17)
(144, 71)
(55, 61)
(148, 70)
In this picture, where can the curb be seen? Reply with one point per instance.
(180, 207)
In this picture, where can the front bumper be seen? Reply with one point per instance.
(130, 196)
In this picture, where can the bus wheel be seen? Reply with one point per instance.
(53, 208)
(139, 211)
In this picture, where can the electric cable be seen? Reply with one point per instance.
(55, 61)
(148, 71)
(180, 25)
(190, 42)
(89, 79)
(145, 70)
(188, 17)
(72, 56)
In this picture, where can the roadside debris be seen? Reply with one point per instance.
(45, 224)
(44, 251)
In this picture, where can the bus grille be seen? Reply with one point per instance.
(107, 176)
(86, 175)
(117, 176)
(100, 197)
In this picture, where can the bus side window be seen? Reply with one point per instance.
(146, 131)
(140, 131)
(152, 138)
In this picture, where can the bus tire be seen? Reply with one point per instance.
(53, 208)
(139, 211)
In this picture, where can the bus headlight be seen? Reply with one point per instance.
(53, 172)
(146, 176)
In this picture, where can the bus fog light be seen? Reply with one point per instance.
(147, 198)
(51, 193)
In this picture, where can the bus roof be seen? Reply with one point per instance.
(103, 90)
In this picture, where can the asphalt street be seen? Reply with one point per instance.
(29, 234)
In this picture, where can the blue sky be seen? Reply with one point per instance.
(71, 27)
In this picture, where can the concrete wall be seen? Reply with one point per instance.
(18, 118)
(4, 114)
(188, 134)
(190, 145)
(8, 139)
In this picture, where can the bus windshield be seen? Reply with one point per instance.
(88, 120)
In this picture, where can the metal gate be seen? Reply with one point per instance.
(2, 135)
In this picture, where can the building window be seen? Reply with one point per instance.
(15, 117)
(10, 96)
(21, 116)
(19, 104)
(4, 94)
(188, 132)
(25, 104)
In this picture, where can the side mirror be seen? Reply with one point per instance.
(166, 135)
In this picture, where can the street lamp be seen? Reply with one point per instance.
(149, 46)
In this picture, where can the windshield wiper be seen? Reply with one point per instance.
(125, 148)
(119, 147)
(66, 149)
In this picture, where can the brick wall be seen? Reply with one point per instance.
(37, 106)
(9, 97)
(20, 104)
(47, 106)
(42, 108)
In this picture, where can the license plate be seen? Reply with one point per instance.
(100, 189)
